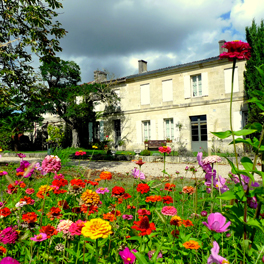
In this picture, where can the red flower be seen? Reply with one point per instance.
(80, 153)
(118, 191)
(139, 162)
(58, 192)
(5, 212)
(27, 199)
(165, 149)
(63, 204)
(236, 50)
(167, 199)
(60, 182)
(93, 183)
(143, 211)
(143, 188)
(126, 196)
(169, 187)
(55, 212)
(49, 230)
(106, 175)
(90, 210)
(153, 198)
(2, 250)
(187, 223)
(131, 207)
(30, 217)
(144, 226)
(77, 182)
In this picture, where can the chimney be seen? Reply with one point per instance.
(221, 43)
(100, 76)
(142, 66)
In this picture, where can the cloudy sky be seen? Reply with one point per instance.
(113, 35)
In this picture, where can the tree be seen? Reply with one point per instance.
(25, 24)
(255, 38)
(73, 103)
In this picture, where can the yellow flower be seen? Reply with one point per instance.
(45, 188)
(90, 198)
(96, 228)
(176, 220)
(95, 147)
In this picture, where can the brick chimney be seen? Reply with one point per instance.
(100, 76)
(142, 66)
(221, 43)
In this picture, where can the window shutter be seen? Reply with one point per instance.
(176, 129)
(139, 133)
(153, 129)
(160, 129)
(167, 93)
(237, 121)
(145, 95)
(101, 130)
(205, 83)
(228, 79)
(90, 129)
(187, 87)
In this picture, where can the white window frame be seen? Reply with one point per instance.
(146, 130)
(195, 82)
(168, 125)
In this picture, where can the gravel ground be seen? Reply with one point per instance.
(153, 169)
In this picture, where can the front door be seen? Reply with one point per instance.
(199, 133)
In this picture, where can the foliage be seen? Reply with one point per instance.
(145, 152)
(56, 134)
(253, 82)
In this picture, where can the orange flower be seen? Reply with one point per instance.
(187, 223)
(109, 216)
(49, 230)
(188, 189)
(191, 244)
(30, 217)
(106, 175)
(27, 199)
(54, 213)
(169, 187)
(90, 198)
(77, 182)
(153, 198)
(63, 204)
(2, 250)
(176, 220)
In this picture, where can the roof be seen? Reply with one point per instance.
(173, 67)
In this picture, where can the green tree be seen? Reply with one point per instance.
(25, 25)
(255, 38)
(71, 102)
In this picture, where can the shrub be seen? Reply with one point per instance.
(145, 152)
(184, 152)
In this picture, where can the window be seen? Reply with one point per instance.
(117, 131)
(167, 93)
(144, 93)
(228, 78)
(169, 129)
(196, 85)
(146, 130)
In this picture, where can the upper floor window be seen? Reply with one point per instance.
(228, 78)
(144, 94)
(167, 93)
(196, 85)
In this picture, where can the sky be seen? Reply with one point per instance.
(112, 35)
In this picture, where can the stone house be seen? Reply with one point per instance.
(183, 103)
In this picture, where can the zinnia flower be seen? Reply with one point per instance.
(2, 250)
(105, 175)
(153, 198)
(23, 167)
(96, 228)
(187, 223)
(30, 217)
(217, 223)
(2, 173)
(144, 226)
(176, 221)
(90, 198)
(51, 164)
(49, 230)
(127, 217)
(165, 149)
(169, 187)
(236, 50)
(214, 257)
(191, 244)
(143, 188)
(29, 191)
(167, 199)
(188, 189)
(118, 191)
(4, 212)
(76, 228)
(127, 256)
(102, 190)
(143, 211)
(212, 159)
(40, 237)
(9, 260)
(80, 153)
(169, 210)
(64, 226)
(8, 236)
(152, 252)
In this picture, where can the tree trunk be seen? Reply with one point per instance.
(75, 138)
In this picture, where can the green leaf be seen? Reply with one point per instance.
(162, 219)
(228, 195)
(247, 163)
(246, 173)
(140, 258)
(72, 252)
(244, 132)
(233, 167)
(222, 135)
(242, 140)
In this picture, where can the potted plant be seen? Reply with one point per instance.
(146, 141)
(168, 140)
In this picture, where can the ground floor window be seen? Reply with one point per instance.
(117, 131)
(169, 129)
(146, 130)
(199, 132)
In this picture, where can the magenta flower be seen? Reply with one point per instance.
(138, 174)
(58, 176)
(76, 228)
(152, 252)
(204, 213)
(169, 210)
(217, 223)
(214, 257)
(21, 155)
(127, 256)
(40, 237)
(51, 163)
(102, 190)
(8, 236)
(2, 173)
(127, 217)
(9, 260)
(165, 149)
(23, 167)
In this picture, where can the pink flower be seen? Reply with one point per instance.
(127, 217)
(217, 223)
(76, 228)
(102, 190)
(64, 226)
(9, 260)
(2, 173)
(40, 237)
(51, 164)
(58, 176)
(29, 191)
(212, 159)
(8, 236)
(169, 210)
(165, 149)
(127, 256)
(214, 257)
(23, 167)
(236, 50)
(138, 174)
(21, 155)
